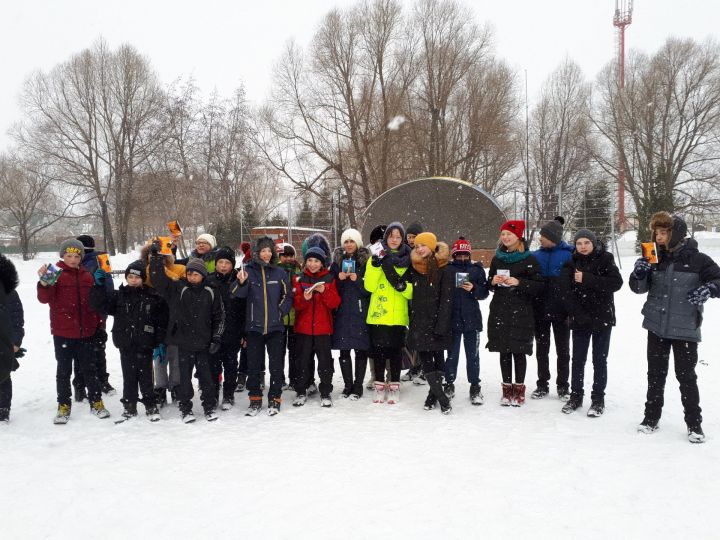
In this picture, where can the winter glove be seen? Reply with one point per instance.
(400, 285)
(155, 247)
(376, 261)
(642, 268)
(20, 352)
(702, 294)
(100, 276)
(214, 346)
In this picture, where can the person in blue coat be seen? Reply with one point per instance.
(351, 331)
(550, 311)
(470, 287)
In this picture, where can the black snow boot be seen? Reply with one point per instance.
(347, 375)
(434, 379)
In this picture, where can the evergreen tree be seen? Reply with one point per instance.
(595, 210)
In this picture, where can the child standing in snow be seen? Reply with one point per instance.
(140, 319)
(677, 286)
(316, 297)
(515, 280)
(587, 285)
(73, 325)
(12, 332)
(289, 263)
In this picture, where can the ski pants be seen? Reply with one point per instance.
(6, 393)
(137, 371)
(80, 351)
(99, 359)
(600, 346)
(307, 347)
(199, 360)
(561, 332)
(256, 345)
(224, 364)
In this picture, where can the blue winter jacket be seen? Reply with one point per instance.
(549, 306)
(269, 297)
(466, 314)
(90, 263)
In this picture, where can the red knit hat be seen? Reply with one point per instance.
(515, 226)
(461, 246)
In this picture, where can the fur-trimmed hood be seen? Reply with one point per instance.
(420, 264)
(361, 256)
(172, 270)
(8, 274)
(262, 243)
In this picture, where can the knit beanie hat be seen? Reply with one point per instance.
(209, 238)
(226, 253)
(87, 241)
(426, 239)
(515, 226)
(415, 228)
(288, 250)
(136, 268)
(351, 234)
(585, 233)
(316, 253)
(246, 248)
(377, 233)
(71, 245)
(196, 265)
(461, 246)
(553, 230)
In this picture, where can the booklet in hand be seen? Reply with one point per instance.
(315, 286)
(461, 278)
(378, 250)
(348, 266)
(505, 273)
(51, 275)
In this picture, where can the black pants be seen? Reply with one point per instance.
(224, 365)
(361, 361)
(137, 370)
(561, 331)
(432, 361)
(383, 355)
(601, 345)
(256, 345)
(307, 348)
(99, 359)
(200, 361)
(685, 358)
(290, 344)
(79, 350)
(6, 394)
(506, 367)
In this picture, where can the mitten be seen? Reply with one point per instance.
(642, 268)
(702, 294)
(99, 276)
(376, 261)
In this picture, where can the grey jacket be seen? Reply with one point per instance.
(667, 312)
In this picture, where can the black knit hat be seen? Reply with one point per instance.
(585, 233)
(87, 241)
(197, 265)
(226, 253)
(136, 268)
(377, 234)
(553, 230)
(415, 228)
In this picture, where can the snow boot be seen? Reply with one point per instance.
(242, 378)
(648, 426)
(326, 401)
(573, 404)
(300, 400)
(696, 435)
(507, 394)
(518, 395)
(539, 393)
(254, 408)
(108, 389)
(227, 404)
(152, 413)
(597, 408)
(188, 417)
(449, 390)
(393, 393)
(63, 414)
(430, 401)
(419, 378)
(99, 410)
(563, 393)
(357, 391)
(273, 407)
(211, 415)
(476, 397)
(379, 392)
(434, 380)
(347, 375)
(129, 413)
(80, 394)
(4, 415)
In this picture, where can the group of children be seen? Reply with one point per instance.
(403, 301)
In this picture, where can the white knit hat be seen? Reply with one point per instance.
(209, 238)
(352, 234)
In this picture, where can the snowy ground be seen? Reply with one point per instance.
(361, 470)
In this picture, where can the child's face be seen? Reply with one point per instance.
(266, 255)
(584, 246)
(547, 244)
(72, 259)
(461, 257)
(422, 250)
(134, 281)
(313, 264)
(509, 240)
(662, 237)
(350, 246)
(223, 266)
(287, 259)
(394, 239)
(194, 278)
(411, 239)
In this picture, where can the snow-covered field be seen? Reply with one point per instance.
(361, 470)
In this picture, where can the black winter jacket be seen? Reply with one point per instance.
(350, 328)
(140, 315)
(591, 304)
(196, 315)
(11, 318)
(226, 285)
(668, 314)
(511, 323)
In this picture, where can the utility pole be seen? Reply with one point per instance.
(621, 20)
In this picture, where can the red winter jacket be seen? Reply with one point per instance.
(69, 300)
(314, 317)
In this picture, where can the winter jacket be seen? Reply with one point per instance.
(314, 317)
(269, 297)
(431, 304)
(591, 304)
(466, 315)
(351, 331)
(197, 317)
(511, 323)
(69, 299)
(208, 258)
(140, 315)
(292, 270)
(549, 306)
(90, 263)
(172, 270)
(388, 306)
(12, 320)
(668, 314)
(234, 307)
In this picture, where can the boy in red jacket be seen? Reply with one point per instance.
(73, 325)
(316, 297)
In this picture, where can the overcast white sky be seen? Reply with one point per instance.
(222, 43)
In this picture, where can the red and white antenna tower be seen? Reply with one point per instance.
(622, 19)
